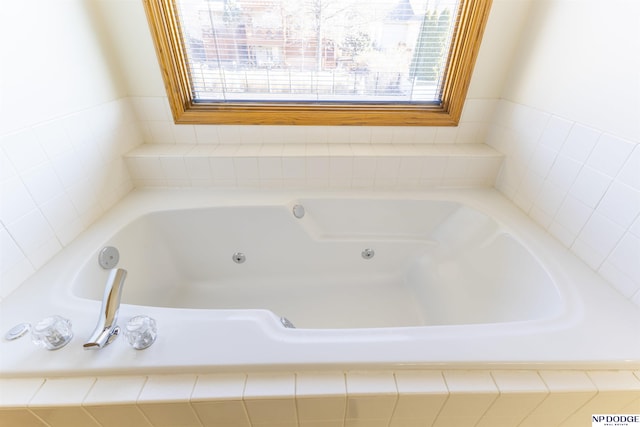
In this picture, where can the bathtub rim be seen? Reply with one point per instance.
(489, 202)
(472, 198)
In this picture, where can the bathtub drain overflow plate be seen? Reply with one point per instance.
(108, 257)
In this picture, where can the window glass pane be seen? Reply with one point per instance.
(368, 51)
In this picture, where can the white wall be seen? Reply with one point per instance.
(569, 123)
(579, 59)
(53, 62)
(64, 126)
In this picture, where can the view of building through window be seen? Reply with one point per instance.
(317, 50)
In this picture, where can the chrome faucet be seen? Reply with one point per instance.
(107, 330)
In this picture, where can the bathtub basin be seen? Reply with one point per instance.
(457, 279)
(432, 263)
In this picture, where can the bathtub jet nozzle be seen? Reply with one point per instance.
(298, 211)
(107, 330)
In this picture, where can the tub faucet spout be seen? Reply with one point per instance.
(107, 329)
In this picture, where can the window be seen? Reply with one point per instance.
(334, 62)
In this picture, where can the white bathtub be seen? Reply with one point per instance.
(457, 279)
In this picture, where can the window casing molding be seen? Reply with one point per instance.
(165, 31)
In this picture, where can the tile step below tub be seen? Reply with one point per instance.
(498, 398)
(320, 166)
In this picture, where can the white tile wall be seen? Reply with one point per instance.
(321, 398)
(471, 393)
(112, 402)
(580, 184)
(520, 393)
(270, 399)
(405, 398)
(362, 166)
(371, 398)
(57, 402)
(158, 402)
(610, 395)
(15, 395)
(421, 396)
(158, 128)
(217, 399)
(568, 392)
(56, 178)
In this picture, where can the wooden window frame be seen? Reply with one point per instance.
(464, 51)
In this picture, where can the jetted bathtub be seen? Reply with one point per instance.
(267, 280)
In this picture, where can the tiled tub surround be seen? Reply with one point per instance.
(57, 178)
(580, 184)
(314, 166)
(402, 398)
